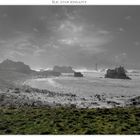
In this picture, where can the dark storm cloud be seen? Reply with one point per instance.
(80, 36)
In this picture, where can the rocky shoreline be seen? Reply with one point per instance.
(33, 97)
(102, 93)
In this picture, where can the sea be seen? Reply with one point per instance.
(93, 83)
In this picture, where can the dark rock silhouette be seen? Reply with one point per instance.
(48, 73)
(9, 65)
(135, 100)
(63, 69)
(78, 74)
(117, 73)
(12, 66)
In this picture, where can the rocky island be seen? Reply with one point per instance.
(63, 69)
(117, 73)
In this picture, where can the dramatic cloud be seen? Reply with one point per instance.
(43, 36)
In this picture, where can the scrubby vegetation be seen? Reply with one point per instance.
(69, 121)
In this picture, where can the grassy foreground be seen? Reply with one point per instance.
(69, 121)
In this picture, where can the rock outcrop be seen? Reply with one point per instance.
(9, 65)
(48, 73)
(134, 100)
(78, 74)
(63, 69)
(117, 73)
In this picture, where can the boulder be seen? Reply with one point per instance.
(78, 74)
(134, 101)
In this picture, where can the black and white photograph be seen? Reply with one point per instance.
(69, 70)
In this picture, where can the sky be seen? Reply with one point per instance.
(78, 36)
